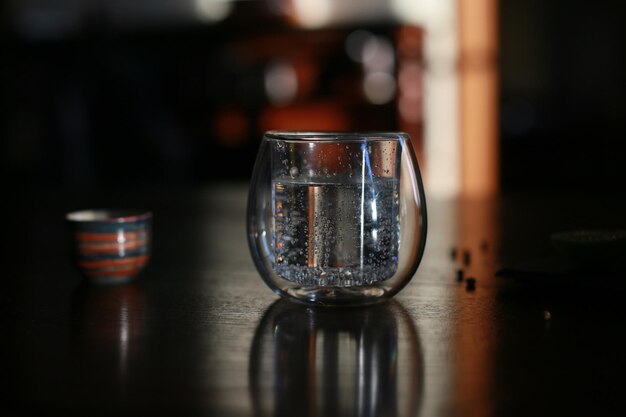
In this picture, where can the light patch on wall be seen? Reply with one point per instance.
(281, 82)
(213, 10)
(313, 14)
(379, 87)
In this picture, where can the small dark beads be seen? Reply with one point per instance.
(470, 284)
(467, 257)
(459, 275)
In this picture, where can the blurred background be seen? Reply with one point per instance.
(497, 95)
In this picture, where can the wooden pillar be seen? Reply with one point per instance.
(478, 81)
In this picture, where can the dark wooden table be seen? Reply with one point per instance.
(200, 334)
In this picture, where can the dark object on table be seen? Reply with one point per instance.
(579, 256)
(591, 248)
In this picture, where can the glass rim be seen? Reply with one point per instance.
(330, 136)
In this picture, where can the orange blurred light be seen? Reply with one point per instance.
(309, 116)
(232, 127)
(478, 97)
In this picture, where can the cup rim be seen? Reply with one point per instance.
(107, 216)
(329, 136)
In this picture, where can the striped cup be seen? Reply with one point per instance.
(110, 246)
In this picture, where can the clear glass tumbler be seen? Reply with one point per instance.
(336, 218)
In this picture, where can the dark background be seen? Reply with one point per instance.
(95, 103)
(562, 94)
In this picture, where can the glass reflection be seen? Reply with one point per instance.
(339, 362)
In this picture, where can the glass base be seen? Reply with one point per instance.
(337, 296)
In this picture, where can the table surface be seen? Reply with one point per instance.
(200, 333)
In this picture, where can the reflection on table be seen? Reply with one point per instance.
(339, 362)
(108, 325)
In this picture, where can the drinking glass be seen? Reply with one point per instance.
(336, 218)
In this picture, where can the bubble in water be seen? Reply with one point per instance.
(293, 171)
(320, 245)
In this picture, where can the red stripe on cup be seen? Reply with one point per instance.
(105, 248)
(108, 237)
(134, 261)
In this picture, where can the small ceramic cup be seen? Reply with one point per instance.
(110, 246)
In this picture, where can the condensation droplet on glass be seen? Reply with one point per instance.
(293, 171)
